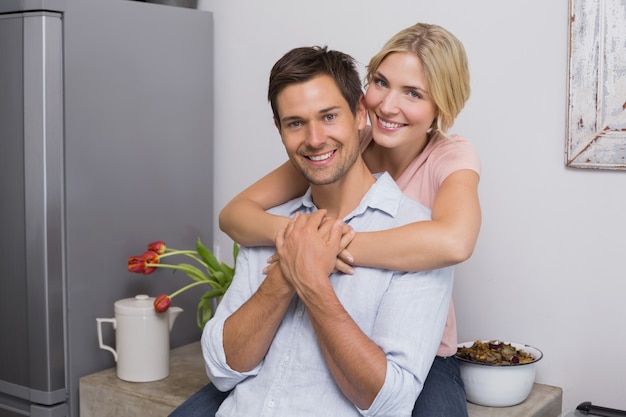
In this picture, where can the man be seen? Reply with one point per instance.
(304, 340)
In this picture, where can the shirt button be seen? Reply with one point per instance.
(300, 313)
(270, 403)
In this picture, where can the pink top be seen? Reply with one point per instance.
(421, 181)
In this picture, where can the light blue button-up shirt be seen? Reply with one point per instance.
(403, 313)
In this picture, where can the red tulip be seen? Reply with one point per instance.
(162, 303)
(139, 264)
(151, 257)
(136, 264)
(158, 247)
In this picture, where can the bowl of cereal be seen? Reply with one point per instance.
(496, 373)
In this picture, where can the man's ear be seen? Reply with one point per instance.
(361, 113)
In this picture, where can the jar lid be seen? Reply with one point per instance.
(140, 305)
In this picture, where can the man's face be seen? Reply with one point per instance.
(320, 133)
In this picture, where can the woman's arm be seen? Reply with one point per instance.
(446, 240)
(244, 218)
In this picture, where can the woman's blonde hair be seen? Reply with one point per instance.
(445, 67)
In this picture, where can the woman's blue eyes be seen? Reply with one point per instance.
(411, 93)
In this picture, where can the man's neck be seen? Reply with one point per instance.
(343, 196)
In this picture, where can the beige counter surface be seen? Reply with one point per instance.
(103, 394)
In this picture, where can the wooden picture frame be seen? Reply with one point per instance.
(596, 125)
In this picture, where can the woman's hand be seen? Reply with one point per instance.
(344, 258)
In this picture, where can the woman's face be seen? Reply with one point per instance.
(400, 107)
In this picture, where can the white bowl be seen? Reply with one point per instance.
(494, 385)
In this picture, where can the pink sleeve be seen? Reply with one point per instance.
(441, 157)
(455, 154)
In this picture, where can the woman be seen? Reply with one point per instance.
(416, 86)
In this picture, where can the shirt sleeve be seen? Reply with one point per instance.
(408, 328)
(221, 375)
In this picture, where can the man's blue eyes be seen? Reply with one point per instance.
(328, 118)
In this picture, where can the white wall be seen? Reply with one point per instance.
(549, 266)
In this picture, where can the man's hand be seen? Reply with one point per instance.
(307, 249)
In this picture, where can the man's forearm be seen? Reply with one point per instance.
(249, 331)
(308, 248)
(357, 364)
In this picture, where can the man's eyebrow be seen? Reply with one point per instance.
(293, 118)
(288, 119)
(329, 109)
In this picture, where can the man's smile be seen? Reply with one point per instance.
(322, 157)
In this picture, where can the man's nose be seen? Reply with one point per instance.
(316, 135)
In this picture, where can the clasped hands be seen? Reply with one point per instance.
(313, 245)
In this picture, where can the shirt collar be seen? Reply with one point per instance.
(383, 195)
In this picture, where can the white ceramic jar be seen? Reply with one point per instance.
(142, 339)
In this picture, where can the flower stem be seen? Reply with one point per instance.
(189, 253)
(186, 287)
(206, 280)
(177, 252)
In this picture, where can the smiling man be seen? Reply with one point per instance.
(304, 340)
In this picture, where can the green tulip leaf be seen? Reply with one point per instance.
(207, 256)
(193, 272)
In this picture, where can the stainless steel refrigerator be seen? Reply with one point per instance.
(105, 145)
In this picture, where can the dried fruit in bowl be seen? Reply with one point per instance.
(494, 352)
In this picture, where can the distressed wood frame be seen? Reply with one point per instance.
(596, 125)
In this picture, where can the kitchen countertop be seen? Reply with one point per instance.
(103, 394)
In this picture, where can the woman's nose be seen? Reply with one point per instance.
(389, 103)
